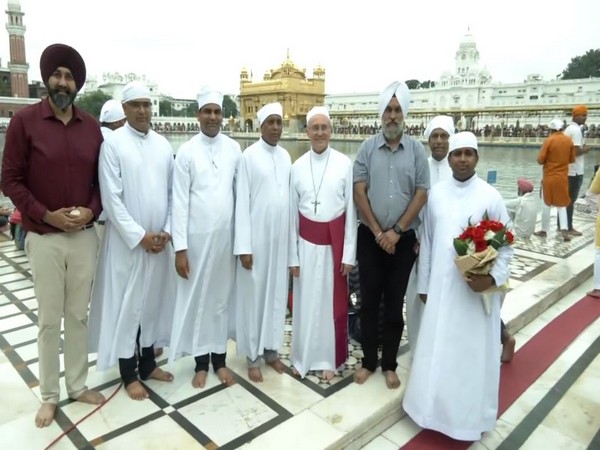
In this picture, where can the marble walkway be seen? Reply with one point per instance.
(548, 276)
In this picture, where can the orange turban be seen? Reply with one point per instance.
(579, 110)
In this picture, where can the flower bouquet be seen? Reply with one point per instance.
(477, 249)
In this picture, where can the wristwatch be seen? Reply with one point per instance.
(398, 230)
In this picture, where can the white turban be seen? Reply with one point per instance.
(112, 111)
(268, 110)
(134, 90)
(208, 95)
(446, 123)
(556, 124)
(316, 111)
(464, 139)
(400, 90)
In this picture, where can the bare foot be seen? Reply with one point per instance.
(160, 375)
(327, 375)
(136, 391)
(225, 376)
(45, 415)
(565, 235)
(508, 349)
(255, 374)
(91, 397)
(391, 379)
(277, 365)
(158, 352)
(361, 375)
(594, 293)
(199, 380)
(540, 233)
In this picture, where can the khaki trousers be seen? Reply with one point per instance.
(63, 267)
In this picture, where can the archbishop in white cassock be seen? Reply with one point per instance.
(321, 191)
(454, 380)
(437, 133)
(203, 213)
(261, 234)
(133, 288)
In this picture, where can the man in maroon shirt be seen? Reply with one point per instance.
(50, 172)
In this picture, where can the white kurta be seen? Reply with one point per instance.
(106, 134)
(132, 288)
(523, 212)
(454, 380)
(313, 339)
(203, 210)
(438, 170)
(261, 229)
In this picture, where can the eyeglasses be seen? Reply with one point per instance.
(317, 128)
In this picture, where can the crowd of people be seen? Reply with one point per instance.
(198, 249)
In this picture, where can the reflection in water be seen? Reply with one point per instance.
(509, 162)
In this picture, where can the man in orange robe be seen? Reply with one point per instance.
(556, 154)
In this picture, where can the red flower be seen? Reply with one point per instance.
(509, 237)
(478, 235)
(480, 245)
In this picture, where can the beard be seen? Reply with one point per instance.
(393, 130)
(62, 98)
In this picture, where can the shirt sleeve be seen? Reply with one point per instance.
(181, 199)
(361, 165)
(421, 168)
(14, 171)
(243, 231)
(171, 167)
(111, 190)
(351, 228)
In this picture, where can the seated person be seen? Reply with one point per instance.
(524, 209)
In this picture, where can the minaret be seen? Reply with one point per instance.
(17, 65)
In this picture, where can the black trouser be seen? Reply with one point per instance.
(142, 359)
(382, 276)
(217, 359)
(502, 330)
(575, 183)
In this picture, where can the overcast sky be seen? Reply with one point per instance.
(363, 45)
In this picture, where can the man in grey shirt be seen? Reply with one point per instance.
(391, 179)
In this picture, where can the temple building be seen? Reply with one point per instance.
(288, 85)
(113, 83)
(15, 91)
(469, 95)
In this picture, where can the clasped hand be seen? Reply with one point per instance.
(155, 242)
(387, 240)
(480, 283)
(64, 220)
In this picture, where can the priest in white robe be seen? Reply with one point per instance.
(131, 307)
(454, 381)
(437, 133)
(322, 250)
(203, 214)
(261, 243)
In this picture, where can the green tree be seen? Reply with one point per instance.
(427, 84)
(166, 108)
(229, 107)
(412, 84)
(191, 110)
(583, 66)
(92, 102)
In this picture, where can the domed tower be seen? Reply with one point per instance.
(319, 72)
(467, 56)
(18, 67)
(244, 76)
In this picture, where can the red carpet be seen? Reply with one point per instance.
(527, 366)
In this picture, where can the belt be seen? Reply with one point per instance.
(88, 226)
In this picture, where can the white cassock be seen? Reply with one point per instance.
(133, 289)
(261, 229)
(313, 336)
(438, 170)
(203, 210)
(454, 380)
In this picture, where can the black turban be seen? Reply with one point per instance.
(60, 55)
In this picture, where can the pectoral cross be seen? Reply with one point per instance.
(316, 203)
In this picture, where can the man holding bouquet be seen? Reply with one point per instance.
(453, 384)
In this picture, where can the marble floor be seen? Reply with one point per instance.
(284, 411)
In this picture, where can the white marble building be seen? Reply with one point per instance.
(113, 83)
(474, 100)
